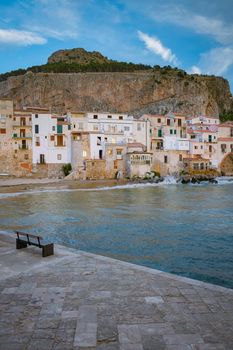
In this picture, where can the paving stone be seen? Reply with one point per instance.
(152, 342)
(69, 314)
(182, 339)
(154, 300)
(129, 334)
(85, 334)
(156, 329)
(40, 344)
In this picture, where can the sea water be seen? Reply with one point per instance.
(183, 229)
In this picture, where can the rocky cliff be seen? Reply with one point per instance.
(78, 55)
(150, 91)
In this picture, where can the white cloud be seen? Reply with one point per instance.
(154, 44)
(195, 70)
(216, 61)
(200, 24)
(20, 37)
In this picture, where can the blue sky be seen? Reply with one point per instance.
(193, 35)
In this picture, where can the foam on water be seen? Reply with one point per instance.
(168, 180)
(225, 180)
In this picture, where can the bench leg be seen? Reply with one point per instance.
(20, 244)
(47, 250)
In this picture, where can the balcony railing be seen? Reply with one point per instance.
(22, 136)
(60, 145)
(23, 147)
(22, 125)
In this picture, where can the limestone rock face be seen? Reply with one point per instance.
(136, 92)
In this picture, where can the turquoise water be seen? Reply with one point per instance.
(183, 229)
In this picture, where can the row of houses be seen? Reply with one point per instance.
(34, 141)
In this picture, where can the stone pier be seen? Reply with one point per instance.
(77, 300)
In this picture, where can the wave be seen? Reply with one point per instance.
(225, 180)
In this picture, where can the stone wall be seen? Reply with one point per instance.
(95, 169)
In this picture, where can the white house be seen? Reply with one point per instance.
(51, 142)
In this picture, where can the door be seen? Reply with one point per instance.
(42, 159)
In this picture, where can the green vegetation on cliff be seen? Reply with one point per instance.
(226, 116)
(63, 67)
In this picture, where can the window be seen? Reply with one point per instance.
(95, 116)
(223, 147)
(179, 122)
(2, 131)
(60, 140)
(159, 133)
(171, 131)
(58, 156)
(195, 147)
(53, 128)
(210, 148)
(26, 157)
(98, 141)
(231, 147)
(37, 141)
(52, 138)
(36, 115)
(202, 166)
(84, 153)
(95, 127)
(119, 152)
(121, 117)
(180, 157)
(175, 132)
(168, 122)
(165, 159)
(195, 166)
(59, 129)
(139, 127)
(159, 120)
(201, 147)
(192, 136)
(36, 129)
(109, 117)
(127, 128)
(77, 137)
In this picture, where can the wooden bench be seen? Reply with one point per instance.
(25, 239)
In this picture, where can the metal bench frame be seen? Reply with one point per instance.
(47, 249)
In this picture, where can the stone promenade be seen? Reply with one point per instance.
(76, 300)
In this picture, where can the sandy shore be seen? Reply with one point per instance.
(22, 184)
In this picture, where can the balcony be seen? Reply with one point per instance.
(22, 125)
(60, 145)
(23, 147)
(21, 136)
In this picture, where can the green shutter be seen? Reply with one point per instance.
(59, 129)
